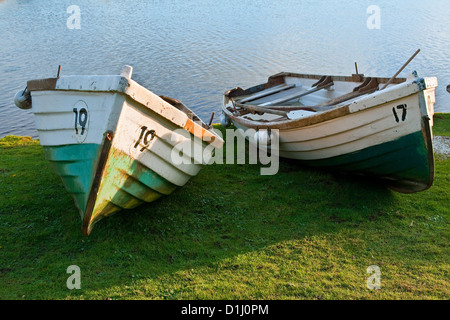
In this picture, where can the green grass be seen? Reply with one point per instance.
(230, 233)
(441, 124)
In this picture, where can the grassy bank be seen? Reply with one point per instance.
(230, 233)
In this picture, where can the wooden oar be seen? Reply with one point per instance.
(366, 88)
(269, 92)
(297, 95)
(370, 85)
(252, 108)
(400, 70)
(211, 120)
(276, 109)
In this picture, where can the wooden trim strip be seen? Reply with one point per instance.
(199, 131)
(87, 227)
(42, 84)
(290, 124)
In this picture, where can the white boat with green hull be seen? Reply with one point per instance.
(111, 140)
(379, 127)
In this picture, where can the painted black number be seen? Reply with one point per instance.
(80, 119)
(144, 137)
(400, 107)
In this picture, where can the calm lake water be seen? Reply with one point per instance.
(195, 50)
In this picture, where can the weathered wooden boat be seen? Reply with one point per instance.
(380, 127)
(111, 140)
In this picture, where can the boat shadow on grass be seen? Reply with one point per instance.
(217, 227)
(228, 223)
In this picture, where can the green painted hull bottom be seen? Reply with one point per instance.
(125, 184)
(405, 165)
(100, 189)
(76, 165)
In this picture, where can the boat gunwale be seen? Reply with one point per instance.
(352, 78)
(290, 123)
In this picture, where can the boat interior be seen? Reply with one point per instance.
(191, 115)
(293, 96)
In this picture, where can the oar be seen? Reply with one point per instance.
(253, 108)
(370, 85)
(269, 92)
(283, 110)
(345, 97)
(297, 95)
(367, 87)
(400, 70)
(211, 120)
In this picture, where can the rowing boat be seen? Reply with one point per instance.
(378, 127)
(111, 140)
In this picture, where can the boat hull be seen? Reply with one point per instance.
(387, 137)
(111, 140)
(138, 167)
(403, 164)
